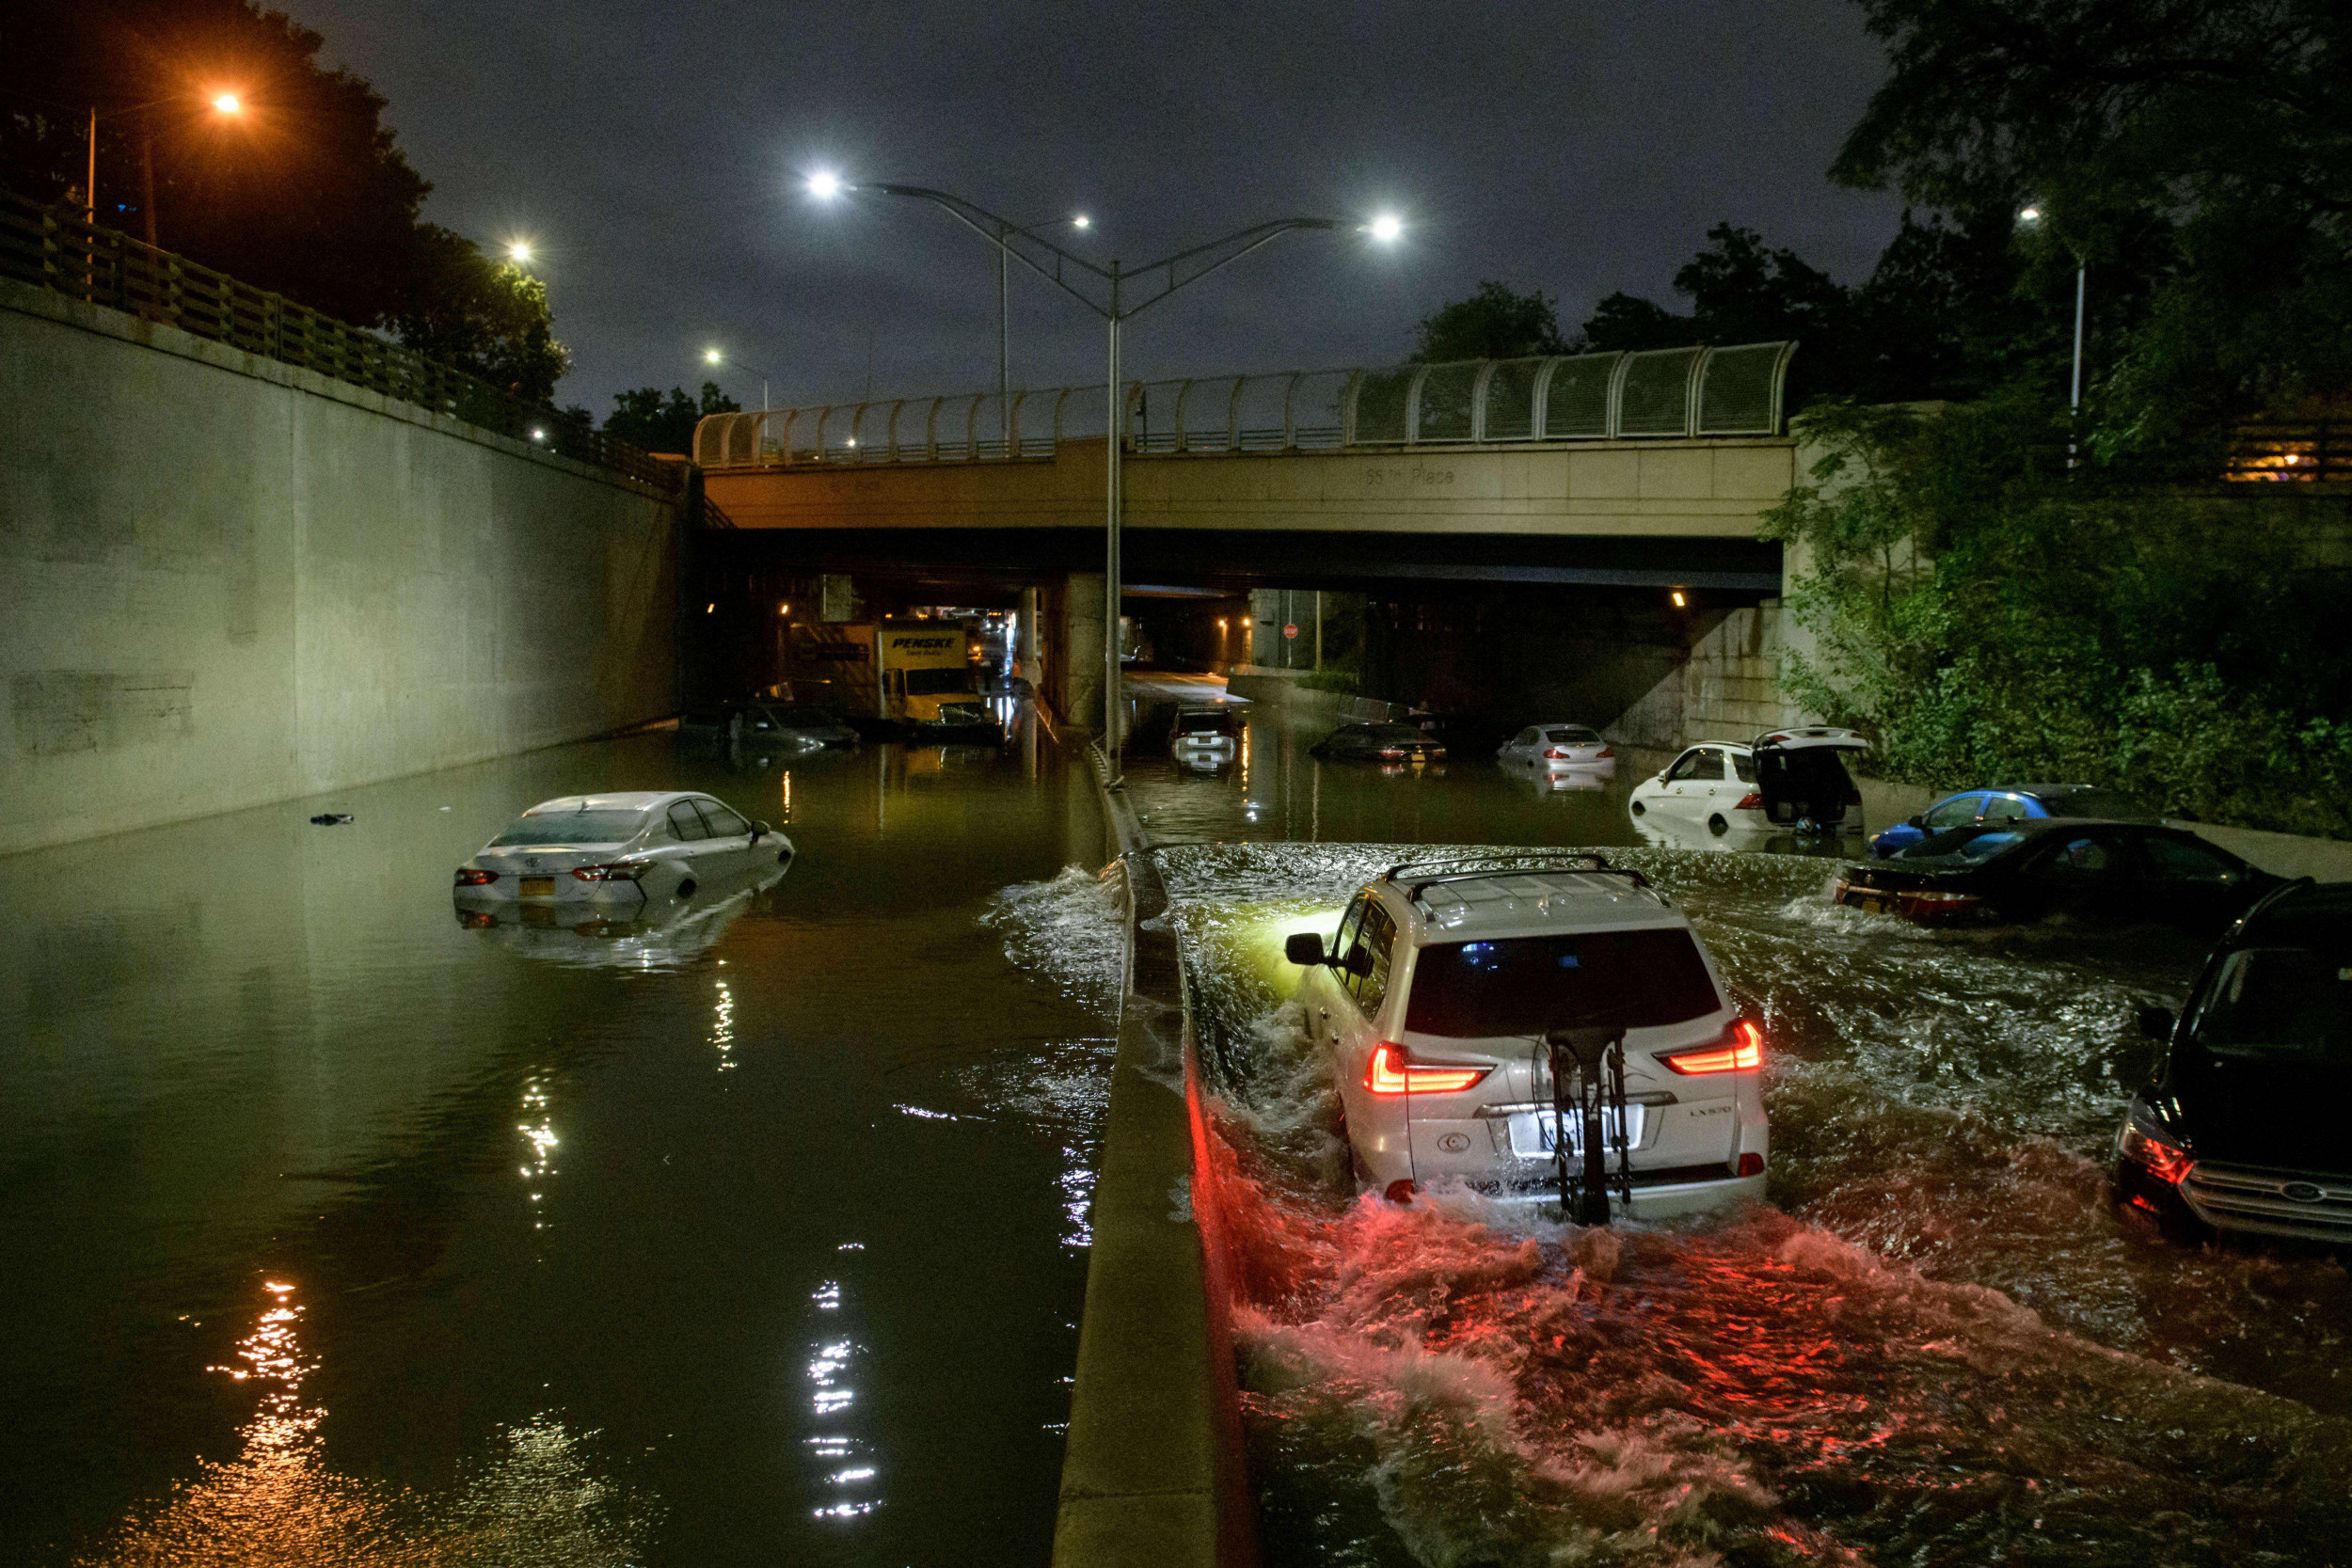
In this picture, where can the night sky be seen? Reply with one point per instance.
(654, 155)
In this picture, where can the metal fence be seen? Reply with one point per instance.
(1591, 397)
(54, 249)
(2318, 452)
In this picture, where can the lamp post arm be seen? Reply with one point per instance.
(1003, 232)
(1225, 252)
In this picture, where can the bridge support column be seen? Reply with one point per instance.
(1073, 674)
(1025, 662)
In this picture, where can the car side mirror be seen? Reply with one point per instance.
(1920, 822)
(760, 831)
(2156, 1023)
(1303, 950)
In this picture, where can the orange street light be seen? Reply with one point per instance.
(228, 103)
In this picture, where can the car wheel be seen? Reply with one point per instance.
(1640, 810)
(1717, 826)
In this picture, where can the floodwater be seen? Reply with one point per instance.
(1935, 1344)
(342, 1234)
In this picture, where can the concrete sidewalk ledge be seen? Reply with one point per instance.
(1255, 685)
(1152, 1476)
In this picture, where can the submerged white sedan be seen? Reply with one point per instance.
(597, 852)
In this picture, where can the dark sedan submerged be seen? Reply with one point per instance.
(2121, 872)
(2241, 1127)
(1393, 743)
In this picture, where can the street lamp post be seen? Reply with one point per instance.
(1167, 277)
(712, 356)
(227, 105)
(2031, 217)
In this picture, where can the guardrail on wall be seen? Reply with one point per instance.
(1733, 390)
(102, 266)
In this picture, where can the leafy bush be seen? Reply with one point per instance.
(1989, 611)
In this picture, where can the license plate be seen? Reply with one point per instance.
(1531, 1131)
(1869, 903)
(538, 887)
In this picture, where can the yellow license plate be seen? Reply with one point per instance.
(538, 887)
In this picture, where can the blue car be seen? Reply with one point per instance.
(2001, 803)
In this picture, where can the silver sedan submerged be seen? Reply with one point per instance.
(617, 852)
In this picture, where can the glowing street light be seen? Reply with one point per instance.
(228, 103)
(1386, 227)
(824, 185)
(1082, 221)
(519, 252)
(714, 356)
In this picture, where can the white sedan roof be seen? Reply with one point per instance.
(627, 799)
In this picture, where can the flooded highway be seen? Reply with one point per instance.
(1937, 1344)
(357, 1234)
(344, 1233)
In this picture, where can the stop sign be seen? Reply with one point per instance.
(1291, 630)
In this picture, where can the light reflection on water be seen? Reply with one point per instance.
(534, 1497)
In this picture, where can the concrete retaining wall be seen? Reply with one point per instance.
(232, 581)
(1152, 1474)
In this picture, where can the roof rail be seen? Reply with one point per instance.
(1477, 867)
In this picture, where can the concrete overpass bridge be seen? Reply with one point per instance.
(1590, 485)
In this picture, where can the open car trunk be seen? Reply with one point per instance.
(1801, 777)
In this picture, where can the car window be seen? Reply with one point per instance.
(1379, 934)
(1695, 765)
(2176, 860)
(572, 827)
(1987, 844)
(723, 822)
(1573, 737)
(684, 824)
(1345, 942)
(1743, 764)
(2080, 859)
(2279, 1000)
(1958, 812)
(2005, 808)
(1524, 985)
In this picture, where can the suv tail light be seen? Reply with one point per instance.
(1742, 1050)
(1555, 753)
(469, 876)
(618, 871)
(1750, 802)
(1392, 1071)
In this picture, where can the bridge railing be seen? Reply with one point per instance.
(1699, 392)
(57, 250)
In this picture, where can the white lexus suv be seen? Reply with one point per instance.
(1436, 998)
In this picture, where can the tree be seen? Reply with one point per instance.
(2197, 152)
(486, 318)
(1984, 610)
(1495, 323)
(642, 416)
(306, 192)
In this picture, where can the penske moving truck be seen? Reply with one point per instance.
(904, 670)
